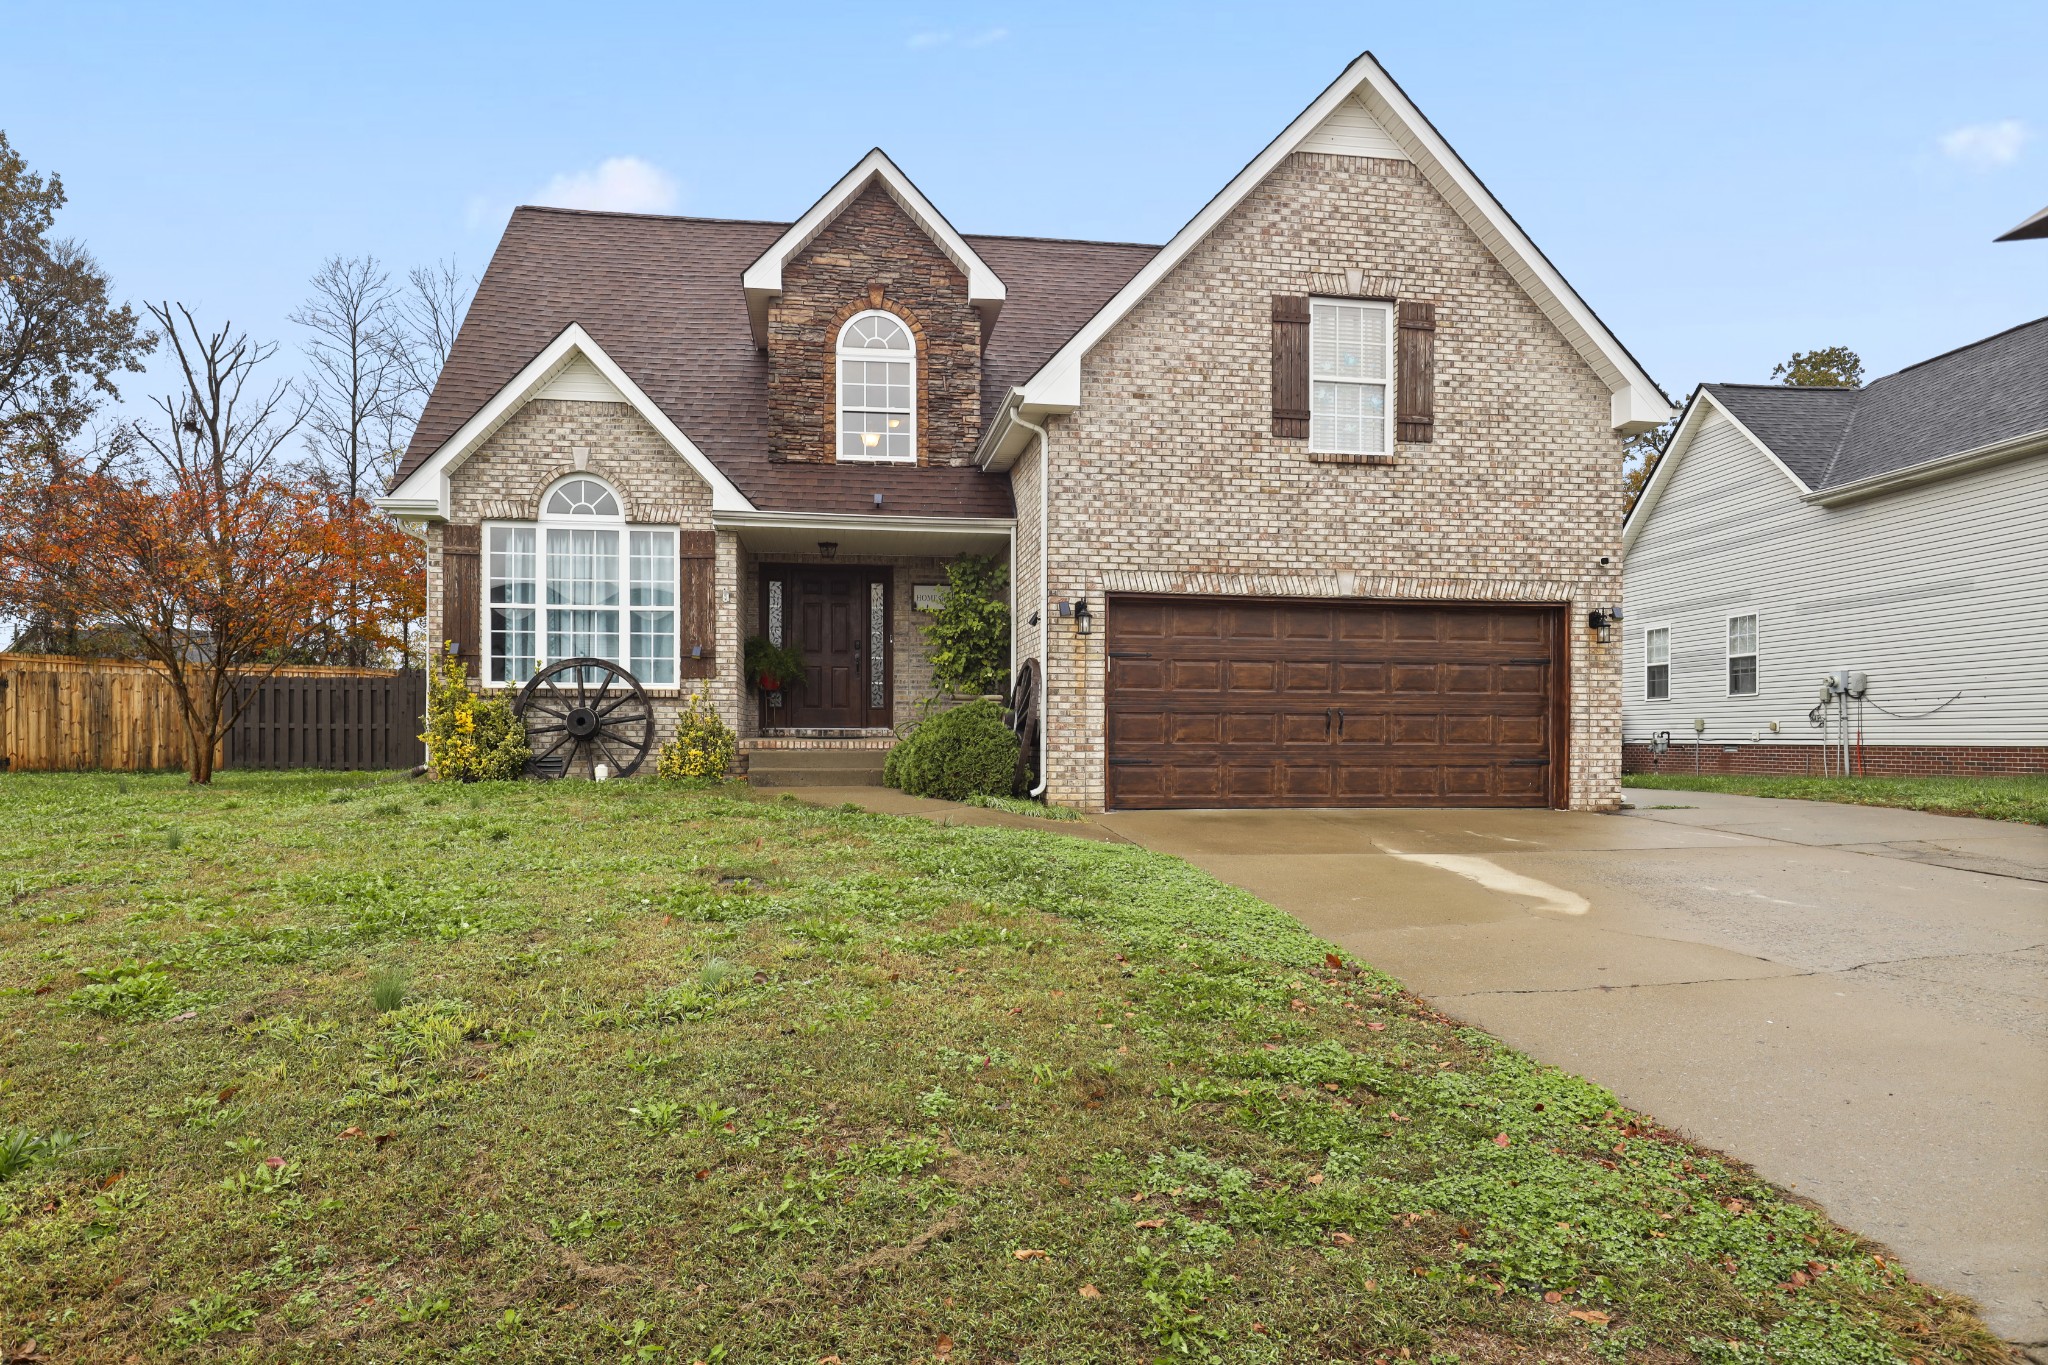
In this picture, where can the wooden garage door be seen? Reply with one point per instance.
(1254, 702)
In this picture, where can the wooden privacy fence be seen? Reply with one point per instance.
(65, 714)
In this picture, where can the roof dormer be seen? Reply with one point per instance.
(763, 279)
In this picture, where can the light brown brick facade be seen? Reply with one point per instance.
(1168, 478)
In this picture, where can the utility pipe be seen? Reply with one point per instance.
(1044, 593)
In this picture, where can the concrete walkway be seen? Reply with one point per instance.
(1852, 999)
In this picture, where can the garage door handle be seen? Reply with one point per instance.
(1340, 722)
(1329, 713)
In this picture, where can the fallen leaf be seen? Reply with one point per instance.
(348, 1132)
(704, 1174)
(1138, 1198)
(943, 1346)
(830, 1360)
(275, 1163)
(1089, 1291)
(1151, 1222)
(1553, 1297)
(224, 1096)
(1333, 960)
(1026, 1254)
(1592, 1315)
(1372, 1286)
(112, 1180)
(1735, 1206)
(1377, 1027)
(383, 1138)
(1316, 1179)
(1343, 1239)
(1503, 1140)
(1398, 1118)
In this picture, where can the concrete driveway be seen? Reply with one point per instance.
(1853, 1000)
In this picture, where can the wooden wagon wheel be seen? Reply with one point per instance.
(1023, 718)
(568, 717)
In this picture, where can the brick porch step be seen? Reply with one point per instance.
(816, 765)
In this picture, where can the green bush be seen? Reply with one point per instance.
(704, 746)
(964, 752)
(969, 635)
(470, 738)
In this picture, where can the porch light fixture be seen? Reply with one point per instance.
(1601, 623)
(1084, 620)
(829, 549)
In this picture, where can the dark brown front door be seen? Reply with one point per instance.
(839, 617)
(1250, 702)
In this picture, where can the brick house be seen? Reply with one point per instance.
(1309, 506)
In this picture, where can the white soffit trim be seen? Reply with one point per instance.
(424, 492)
(1638, 405)
(1674, 453)
(763, 279)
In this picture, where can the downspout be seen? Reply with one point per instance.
(1044, 591)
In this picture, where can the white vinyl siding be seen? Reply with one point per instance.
(1936, 592)
(1351, 377)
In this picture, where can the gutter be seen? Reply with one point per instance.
(1962, 462)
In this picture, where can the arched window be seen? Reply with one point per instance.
(877, 389)
(594, 583)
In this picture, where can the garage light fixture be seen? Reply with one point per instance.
(1084, 619)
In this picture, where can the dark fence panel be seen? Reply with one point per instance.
(329, 722)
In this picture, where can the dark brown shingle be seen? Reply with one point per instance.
(662, 296)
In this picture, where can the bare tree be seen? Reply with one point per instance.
(431, 310)
(357, 372)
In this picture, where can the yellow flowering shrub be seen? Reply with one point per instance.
(470, 738)
(704, 746)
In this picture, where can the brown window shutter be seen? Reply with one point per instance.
(1290, 366)
(461, 594)
(1415, 372)
(697, 609)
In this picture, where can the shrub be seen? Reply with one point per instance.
(969, 634)
(704, 745)
(470, 738)
(956, 754)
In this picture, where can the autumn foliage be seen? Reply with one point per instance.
(220, 563)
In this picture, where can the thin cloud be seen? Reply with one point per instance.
(622, 184)
(1986, 146)
(920, 42)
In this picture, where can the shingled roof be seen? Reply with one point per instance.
(1967, 399)
(662, 296)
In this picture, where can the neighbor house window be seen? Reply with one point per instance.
(582, 584)
(877, 389)
(1350, 347)
(1657, 658)
(1742, 656)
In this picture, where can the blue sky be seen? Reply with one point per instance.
(1725, 184)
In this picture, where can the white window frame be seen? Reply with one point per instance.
(1755, 655)
(1388, 401)
(1649, 663)
(626, 584)
(840, 355)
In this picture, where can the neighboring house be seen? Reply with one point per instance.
(1899, 531)
(1309, 506)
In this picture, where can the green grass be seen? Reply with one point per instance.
(1018, 805)
(689, 1076)
(1991, 798)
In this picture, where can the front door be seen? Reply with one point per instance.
(839, 617)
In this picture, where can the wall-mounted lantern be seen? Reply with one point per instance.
(1084, 620)
(1601, 623)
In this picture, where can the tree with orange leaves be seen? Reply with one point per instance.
(218, 560)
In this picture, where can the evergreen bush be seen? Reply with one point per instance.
(470, 738)
(963, 752)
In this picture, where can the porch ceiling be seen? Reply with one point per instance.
(785, 533)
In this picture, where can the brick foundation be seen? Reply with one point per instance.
(1815, 760)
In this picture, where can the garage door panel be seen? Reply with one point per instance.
(1425, 728)
(1468, 730)
(1251, 675)
(1270, 702)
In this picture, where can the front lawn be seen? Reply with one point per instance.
(1992, 798)
(307, 1067)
